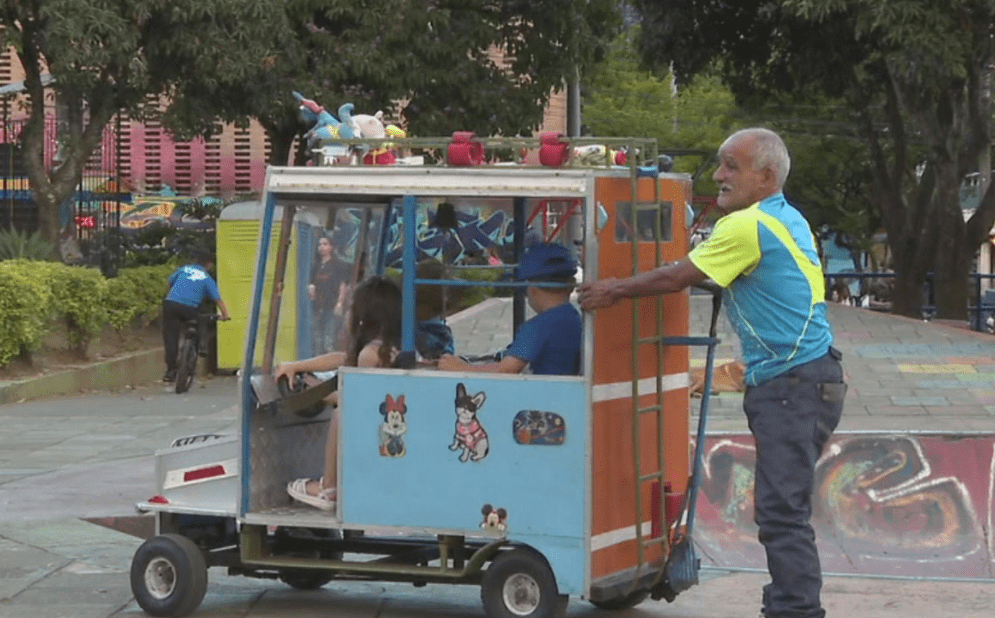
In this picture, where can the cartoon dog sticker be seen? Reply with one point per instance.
(470, 435)
(393, 427)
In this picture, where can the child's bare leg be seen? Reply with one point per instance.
(331, 463)
(331, 453)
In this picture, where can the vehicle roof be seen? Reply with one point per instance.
(493, 181)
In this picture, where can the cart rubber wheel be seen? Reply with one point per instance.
(520, 584)
(305, 579)
(168, 576)
(623, 602)
(187, 366)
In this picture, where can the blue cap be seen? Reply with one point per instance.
(544, 261)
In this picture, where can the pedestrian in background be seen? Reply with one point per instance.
(189, 286)
(763, 254)
(327, 291)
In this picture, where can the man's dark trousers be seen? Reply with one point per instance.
(791, 417)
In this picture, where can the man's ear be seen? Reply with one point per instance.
(770, 177)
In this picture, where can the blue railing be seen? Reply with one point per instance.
(979, 312)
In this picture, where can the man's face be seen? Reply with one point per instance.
(740, 186)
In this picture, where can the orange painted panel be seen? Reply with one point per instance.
(613, 475)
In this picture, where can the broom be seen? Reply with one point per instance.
(681, 568)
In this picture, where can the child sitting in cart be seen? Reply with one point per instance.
(433, 337)
(550, 342)
(375, 341)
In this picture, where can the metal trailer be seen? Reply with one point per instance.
(583, 487)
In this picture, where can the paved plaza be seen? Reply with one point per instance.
(67, 462)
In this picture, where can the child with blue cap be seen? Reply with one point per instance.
(549, 343)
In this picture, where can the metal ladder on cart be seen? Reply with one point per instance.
(680, 568)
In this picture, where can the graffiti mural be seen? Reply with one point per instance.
(476, 230)
(884, 504)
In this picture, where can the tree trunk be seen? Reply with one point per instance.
(46, 196)
(281, 133)
(52, 188)
(906, 296)
(951, 257)
(951, 286)
(279, 149)
(953, 254)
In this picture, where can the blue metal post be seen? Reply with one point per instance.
(265, 238)
(388, 219)
(518, 304)
(408, 272)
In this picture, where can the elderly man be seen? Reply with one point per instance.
(763, 254)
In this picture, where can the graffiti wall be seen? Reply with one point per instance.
(885, 504)
(465, 229)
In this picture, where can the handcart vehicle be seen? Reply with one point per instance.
(582, 488)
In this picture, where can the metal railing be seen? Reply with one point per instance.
(978, 311)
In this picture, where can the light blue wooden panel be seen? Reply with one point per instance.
(543, 487)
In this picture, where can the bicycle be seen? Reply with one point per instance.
(189, 350)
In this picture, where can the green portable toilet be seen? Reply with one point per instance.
(238, 232)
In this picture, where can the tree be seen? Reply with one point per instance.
(914, 73)
(122, 56)
(432, 63)
(830, 172)
(623, 100)
(830, 180)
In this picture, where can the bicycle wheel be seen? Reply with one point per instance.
(187, 365)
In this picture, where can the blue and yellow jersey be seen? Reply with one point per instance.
(765, 258)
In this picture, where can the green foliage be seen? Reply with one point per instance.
(470, 296)
(16, 245)
(129, 56)
(136, 294)
(913, 77)
(460, 298)
(78, 297)
(25, 301)
(830, 181)
(33, 293)
(622, 99)
(120, 304)
(433, 64)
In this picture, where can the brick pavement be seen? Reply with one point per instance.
(904, 375)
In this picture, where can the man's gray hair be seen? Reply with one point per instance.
(769, 151)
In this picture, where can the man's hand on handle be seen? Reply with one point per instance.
(598, 294)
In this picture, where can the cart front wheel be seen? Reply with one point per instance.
(168, 576)
(519, 584)
(627, 601)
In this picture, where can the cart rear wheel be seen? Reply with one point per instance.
(520, 584)
(168, 575)
(624, 602)
(187, 365)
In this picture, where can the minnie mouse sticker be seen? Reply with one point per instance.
(394, 426)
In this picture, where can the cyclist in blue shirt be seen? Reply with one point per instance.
(549, 343)
(189, 285)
